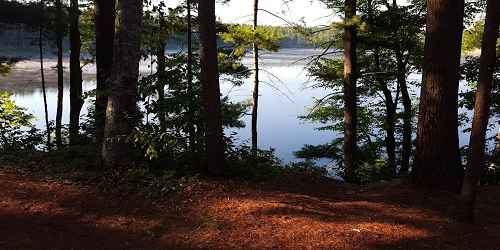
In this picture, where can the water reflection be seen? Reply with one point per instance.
(284, 97)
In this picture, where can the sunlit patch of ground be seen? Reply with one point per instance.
(37, 214)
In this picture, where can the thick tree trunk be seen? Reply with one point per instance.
(437, 158)
(60, 76)
(211, 88)
(42, 75)
(350, 98)
(475, 161)
(255, 100)
(122, 114)
(104, 35)
(75, 88)
(407, 116)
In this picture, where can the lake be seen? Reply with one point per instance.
(285, 96)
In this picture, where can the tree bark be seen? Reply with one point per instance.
(191, 126)
(211, 88)
(122, 114)
(390, 117)
(42, 75)
(75, 88)
(437, 158)
(60, 76)
(255, 100)
(475, 161)
(350, 96)
(160, 70)
(407, 115)
(496, 153)
(104, 35)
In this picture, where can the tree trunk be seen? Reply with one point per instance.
(104, 36)
(75, 88)
(42, 75)
(390, 117)
(350, 98)
(475, 161)
(160, 70)
(255, 101)
(191, 126)
(122, 114)
(407, 115)
(211, 88)
(496, 153)
(437, 158)
(60, 79)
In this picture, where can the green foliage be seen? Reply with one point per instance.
(77, 165)
(153, 185)
(159, 25)
(473, 8)
(242, 37)
(6, 65)
(473, 36)
(182, 110)
(87, 33)
(306, 168)
(4, 69)
(469, 71)
(390, 45)
(371, 172)
(16, 130)
(252, 165)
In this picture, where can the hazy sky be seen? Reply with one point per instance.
(313, 12)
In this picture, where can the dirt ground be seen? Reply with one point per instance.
(211, 214)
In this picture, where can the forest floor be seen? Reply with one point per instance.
(39, 213)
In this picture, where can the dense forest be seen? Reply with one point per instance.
(401, 83)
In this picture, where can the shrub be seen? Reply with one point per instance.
(16, 130)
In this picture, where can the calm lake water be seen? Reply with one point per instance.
(285, 96)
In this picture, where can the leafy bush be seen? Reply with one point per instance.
(253, 165)
(153, 185)
(16, 130)
(308, 168)
(371, 172)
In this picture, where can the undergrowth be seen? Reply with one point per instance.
(78, 165)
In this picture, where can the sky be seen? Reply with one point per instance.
(312, 12)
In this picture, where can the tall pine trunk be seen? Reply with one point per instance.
(104, 35)
(75, 88)
(122, 114)
(42, 75)
(437, 158)
(255, 96)
(350, 98)
(475, 161)
(60, 76)
(211, 88)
